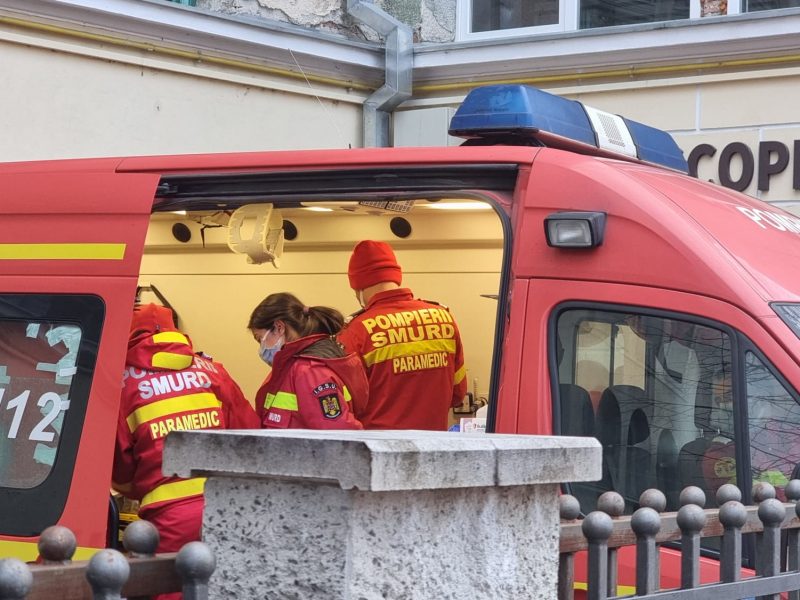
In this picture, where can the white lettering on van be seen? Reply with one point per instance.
(767, 218)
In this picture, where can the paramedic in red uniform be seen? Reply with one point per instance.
(411, 348)
(313, 383)
(166, 387)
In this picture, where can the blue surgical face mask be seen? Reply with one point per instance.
(267, 353)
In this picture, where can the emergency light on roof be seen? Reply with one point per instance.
(525, 113)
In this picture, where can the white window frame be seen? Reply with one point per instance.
(734, 8)
(567, 21)
(568, 12)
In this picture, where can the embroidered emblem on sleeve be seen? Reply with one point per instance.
(328, 396)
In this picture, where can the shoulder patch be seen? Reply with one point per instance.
(434, 302)
(328, 396)
(352, 316)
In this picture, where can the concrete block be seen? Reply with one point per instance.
(385, 460)
(369, 515)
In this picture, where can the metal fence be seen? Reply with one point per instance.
(602, 532)
(109, 575)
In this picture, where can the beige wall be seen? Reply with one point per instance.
(64, 104)
(748, 107)
(451, 259)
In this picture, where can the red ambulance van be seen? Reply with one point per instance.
(636, 304)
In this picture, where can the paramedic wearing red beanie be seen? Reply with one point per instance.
(411, 348)
(166, 386)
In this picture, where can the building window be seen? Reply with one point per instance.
(482, 19)
(605, 13)
(493, 15)
(756, 5)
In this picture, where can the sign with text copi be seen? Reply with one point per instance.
(738, 165)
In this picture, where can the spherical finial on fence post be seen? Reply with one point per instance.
(57, 545)
(16, 579)
(771, 512)
(692, 495)
(792, 490)
(763, 491)
(107, 572)
(611, 503)
(727, 493)
(569, 508)
(140, 538)
(691, 518)
(733, 515)
(653, 498)
(195, 563)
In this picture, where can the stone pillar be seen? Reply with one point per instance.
(365, 515)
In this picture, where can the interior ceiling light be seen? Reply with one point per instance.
(398, 206)
(457, 206)
(318, 208)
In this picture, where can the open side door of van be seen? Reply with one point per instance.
(71, 243)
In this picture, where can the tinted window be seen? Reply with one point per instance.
(600, 13)
(653, 391)
(490, 15)
(48, 350)
(773, 425)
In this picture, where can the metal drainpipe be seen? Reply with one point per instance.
(399, 61)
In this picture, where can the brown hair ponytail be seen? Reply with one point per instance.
(305, 320)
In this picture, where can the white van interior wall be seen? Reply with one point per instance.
(451, 258)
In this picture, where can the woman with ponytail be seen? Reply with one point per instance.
(313, 384)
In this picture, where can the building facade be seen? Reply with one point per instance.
(121, 77)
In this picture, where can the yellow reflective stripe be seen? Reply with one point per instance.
(283, 400)
(29, 551)
(174, 491)
(459, 375)
(347, 396)
(166, 337)
(171, 406)
(62, 251)
(171, 360)
(391, 351)
(622, 590)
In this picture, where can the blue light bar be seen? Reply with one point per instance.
(524, 112)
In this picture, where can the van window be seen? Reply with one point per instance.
(34, 397)
(48, 346)
(655, 391)
(773, 425)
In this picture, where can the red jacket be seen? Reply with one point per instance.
(414, 359)
(167, 387)
(312, 385)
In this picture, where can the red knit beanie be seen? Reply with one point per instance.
(372, 263)
(151, 318)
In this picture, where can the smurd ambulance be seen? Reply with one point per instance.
(600, 291)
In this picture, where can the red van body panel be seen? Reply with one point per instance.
(80, 231)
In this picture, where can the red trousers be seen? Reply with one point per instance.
(177, 524)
